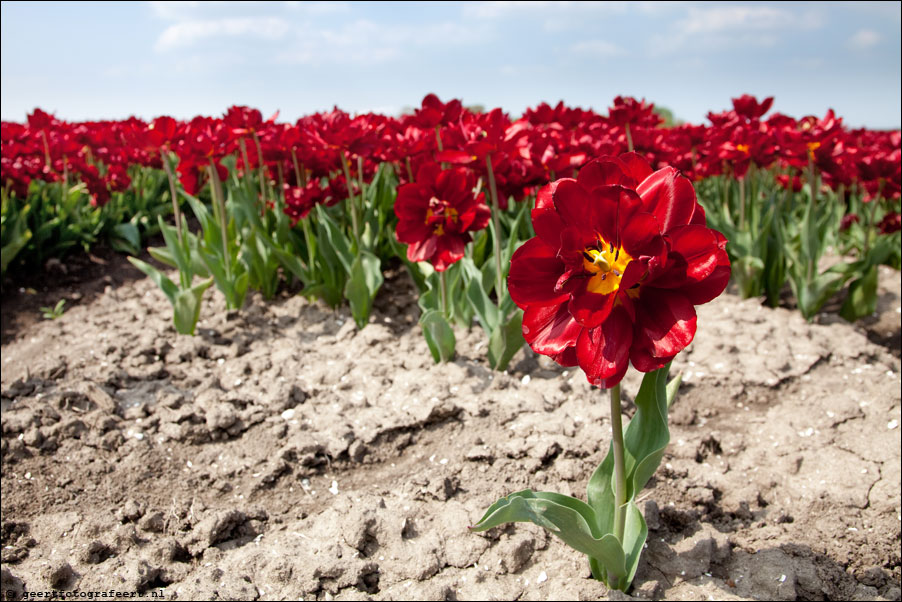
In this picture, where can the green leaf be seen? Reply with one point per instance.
(126, 238)
(486, 312)
(19, 237)
(862, 298)
(170, 289)
(329, 293)
(673, 388)
(505, 341)
(163, 255)
(364, 280)
(335, 248)
(439, 335)
(569, 518)
(186, 304)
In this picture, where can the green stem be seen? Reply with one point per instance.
(311, 246)
(443, 282)
(354, 223)
(219, 203)
(299, 180)
(629, 138)
(493, 191)
(741, 203)
(871, 218)
(248, 182)
(438, 137)
(263, 179)
(175, 201)
(619, 473)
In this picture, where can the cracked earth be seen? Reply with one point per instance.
(282, 454)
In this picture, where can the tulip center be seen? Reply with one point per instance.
(813, 146)
(439, 214)
(743, 148)
(606, 264)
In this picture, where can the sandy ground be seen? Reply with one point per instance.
(282, 454)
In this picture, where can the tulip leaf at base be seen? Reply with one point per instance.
(589, 527)
(185, 301)
(439, 335)
(364, 279)
(505, 341)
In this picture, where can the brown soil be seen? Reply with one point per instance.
(282, 454)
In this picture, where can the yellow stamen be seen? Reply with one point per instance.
(451, 213)
(743, 148)
(439, 230)
(607, 264)
(813, 146)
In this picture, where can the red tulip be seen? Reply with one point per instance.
(437, 213)
(747, 106)
(621, 257)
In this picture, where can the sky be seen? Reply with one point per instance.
(110, 60)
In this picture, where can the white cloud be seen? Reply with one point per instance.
(319, 8)
(504, 9)
(366, 42)
(722, 18)
(597, 49)
(193, 11)
(715, 27)
(187, 33)
(864, 39)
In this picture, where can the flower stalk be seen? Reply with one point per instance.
(496, 223)
(619, 471)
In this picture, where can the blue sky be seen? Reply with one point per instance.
(111, 60)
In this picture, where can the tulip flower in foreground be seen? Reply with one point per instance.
(621, 257)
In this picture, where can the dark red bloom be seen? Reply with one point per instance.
(748, 106)
(847, 221)
(437, 213)
(891, 222)
(621, 257)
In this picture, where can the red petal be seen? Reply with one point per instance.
(605, 172)
(635, 166)
(669, 196)
(643, 361)
(604, 352)
(699, 216)
(710, 287)
(411, 231)
(590, 309)
(458, 157)
(449, 250)
(427, 174)
(422, 250)
(573, 204)
(546, 194)
(694, 254)
(567, 357)
(614, 207)
(665, 322)
(550, 329)
(534, 272)
(412, 201)
(640, 235)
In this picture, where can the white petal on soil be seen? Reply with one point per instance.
(334, 488)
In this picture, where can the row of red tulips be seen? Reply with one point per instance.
(546, 142)
(438, 155)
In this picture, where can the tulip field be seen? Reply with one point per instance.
(369, 357)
